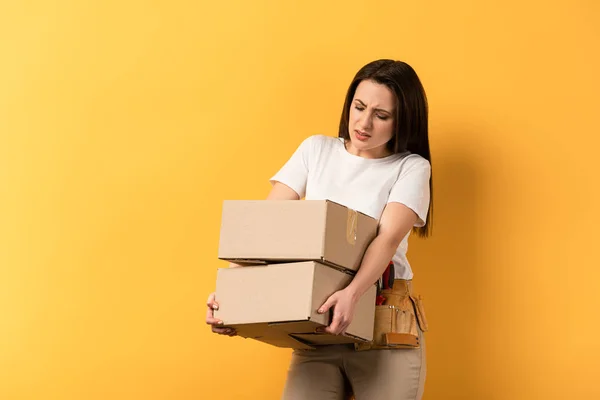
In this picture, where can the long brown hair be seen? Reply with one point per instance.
(411, 131)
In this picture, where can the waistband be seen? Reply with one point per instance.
(402, 287)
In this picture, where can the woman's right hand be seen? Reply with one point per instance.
(212, 321)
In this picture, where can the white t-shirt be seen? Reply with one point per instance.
(322, 169)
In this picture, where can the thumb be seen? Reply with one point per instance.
(328, 304)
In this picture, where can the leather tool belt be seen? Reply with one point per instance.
(396, 318)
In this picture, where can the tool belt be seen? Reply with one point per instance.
(396, 317)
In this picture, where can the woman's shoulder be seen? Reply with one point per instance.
(416, 160)
(321, 139)
(320, 142)
(413, 163)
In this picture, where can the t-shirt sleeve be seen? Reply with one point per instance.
(412, 188)
(294, 173)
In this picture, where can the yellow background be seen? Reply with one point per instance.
(125, 124)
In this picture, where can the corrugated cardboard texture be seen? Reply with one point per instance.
(289, 230)
(270, 302)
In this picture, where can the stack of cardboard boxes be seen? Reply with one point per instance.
(295, 255)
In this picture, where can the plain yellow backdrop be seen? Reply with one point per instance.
(125, 124)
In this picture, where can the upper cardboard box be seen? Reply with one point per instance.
(277, 304)
(294, 230)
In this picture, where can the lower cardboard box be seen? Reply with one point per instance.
(277, 304)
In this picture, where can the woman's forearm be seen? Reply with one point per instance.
(376, 259)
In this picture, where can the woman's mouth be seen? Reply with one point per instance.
(362, 136)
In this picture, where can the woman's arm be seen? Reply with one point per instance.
(396, 221)
(279, 191)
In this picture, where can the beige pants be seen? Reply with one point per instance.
(334, 372)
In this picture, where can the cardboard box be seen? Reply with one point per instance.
(269, 231)
(278, 303)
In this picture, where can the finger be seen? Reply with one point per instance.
(211, 297)
(327, 305)
(209, 315)
(209, 312)
(213, 321)
(344, 328)
(230, 332)
(335, 325)
(212, 303)
(342, 325)
(221, 331)
(345, 323)
(332, 330)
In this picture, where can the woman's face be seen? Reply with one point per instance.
(371, 122)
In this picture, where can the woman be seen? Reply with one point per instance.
(379, 165)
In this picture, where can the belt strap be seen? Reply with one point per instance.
(402, 287)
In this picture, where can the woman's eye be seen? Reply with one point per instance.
(382, 117)
(358, 108)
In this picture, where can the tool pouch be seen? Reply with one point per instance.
(420, 312)
(397, 322)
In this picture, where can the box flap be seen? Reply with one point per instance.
(273, 336)
(296, 326)
(317, 339)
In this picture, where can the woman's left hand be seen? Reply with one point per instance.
(343, 303)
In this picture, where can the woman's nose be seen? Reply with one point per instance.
(365, 122)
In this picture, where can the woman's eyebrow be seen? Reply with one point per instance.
(377, 109)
